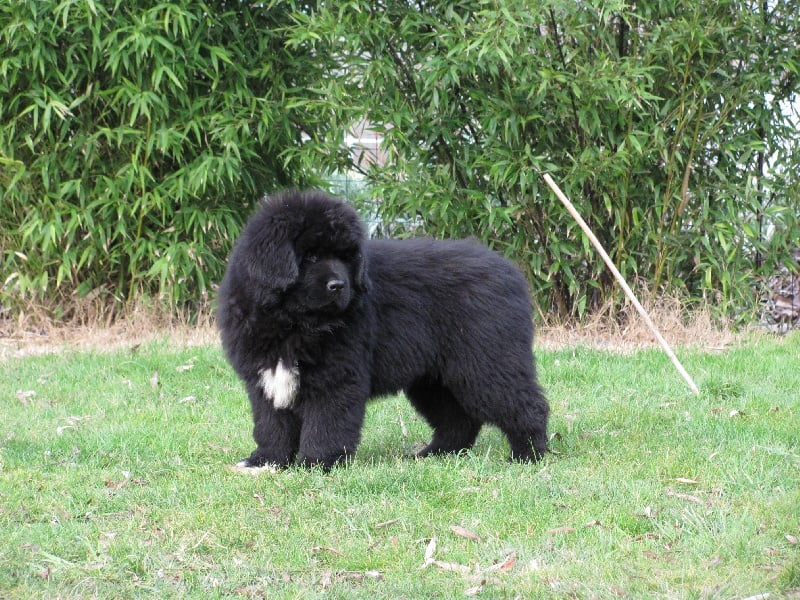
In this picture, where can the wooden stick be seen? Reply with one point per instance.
(621, 280)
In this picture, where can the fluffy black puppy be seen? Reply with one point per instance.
(316, 319)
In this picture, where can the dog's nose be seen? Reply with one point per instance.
(335, 285)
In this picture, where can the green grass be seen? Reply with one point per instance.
(115, 486)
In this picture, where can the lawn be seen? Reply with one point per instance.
(116, 482)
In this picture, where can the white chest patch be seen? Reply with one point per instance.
(280, 384)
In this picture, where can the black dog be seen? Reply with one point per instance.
(316, 319)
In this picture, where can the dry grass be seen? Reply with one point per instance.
(626, 331)
(34, 332)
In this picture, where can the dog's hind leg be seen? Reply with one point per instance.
(518, 408)
(453, 429)
(525, 425)
(527, 447)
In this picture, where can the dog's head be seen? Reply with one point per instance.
(302, 251)
(325, 284)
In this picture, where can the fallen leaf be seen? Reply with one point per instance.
(273, 510)
(23, 397)
(687, 497)
(218, 447)
(591, 524)
(106, 539)
(559, 530)
(687, 481)
(505, 565)
(403, 428)
(250, 591)
(326, 580)
(183, 368)
(792, 539)
(649, 513)
(466, 533)
(430, 550)
(570, 419)
(735, 413)
(386, 523)
(117, 485)
(326, 549)
(154, 379)
(475, 590)
(358, 576)
(71, 423)
(447, 566)
(646, 536)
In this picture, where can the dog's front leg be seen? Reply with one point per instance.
(275, 431)
(330, 433)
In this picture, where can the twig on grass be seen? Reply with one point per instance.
(621, 280)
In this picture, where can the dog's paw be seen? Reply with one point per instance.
(247, 467)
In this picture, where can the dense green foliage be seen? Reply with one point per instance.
(662, 121)
(135, 136)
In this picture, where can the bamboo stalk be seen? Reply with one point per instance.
(621, 280)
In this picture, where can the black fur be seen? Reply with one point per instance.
(447, 322)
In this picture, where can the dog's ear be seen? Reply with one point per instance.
(273, 266)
